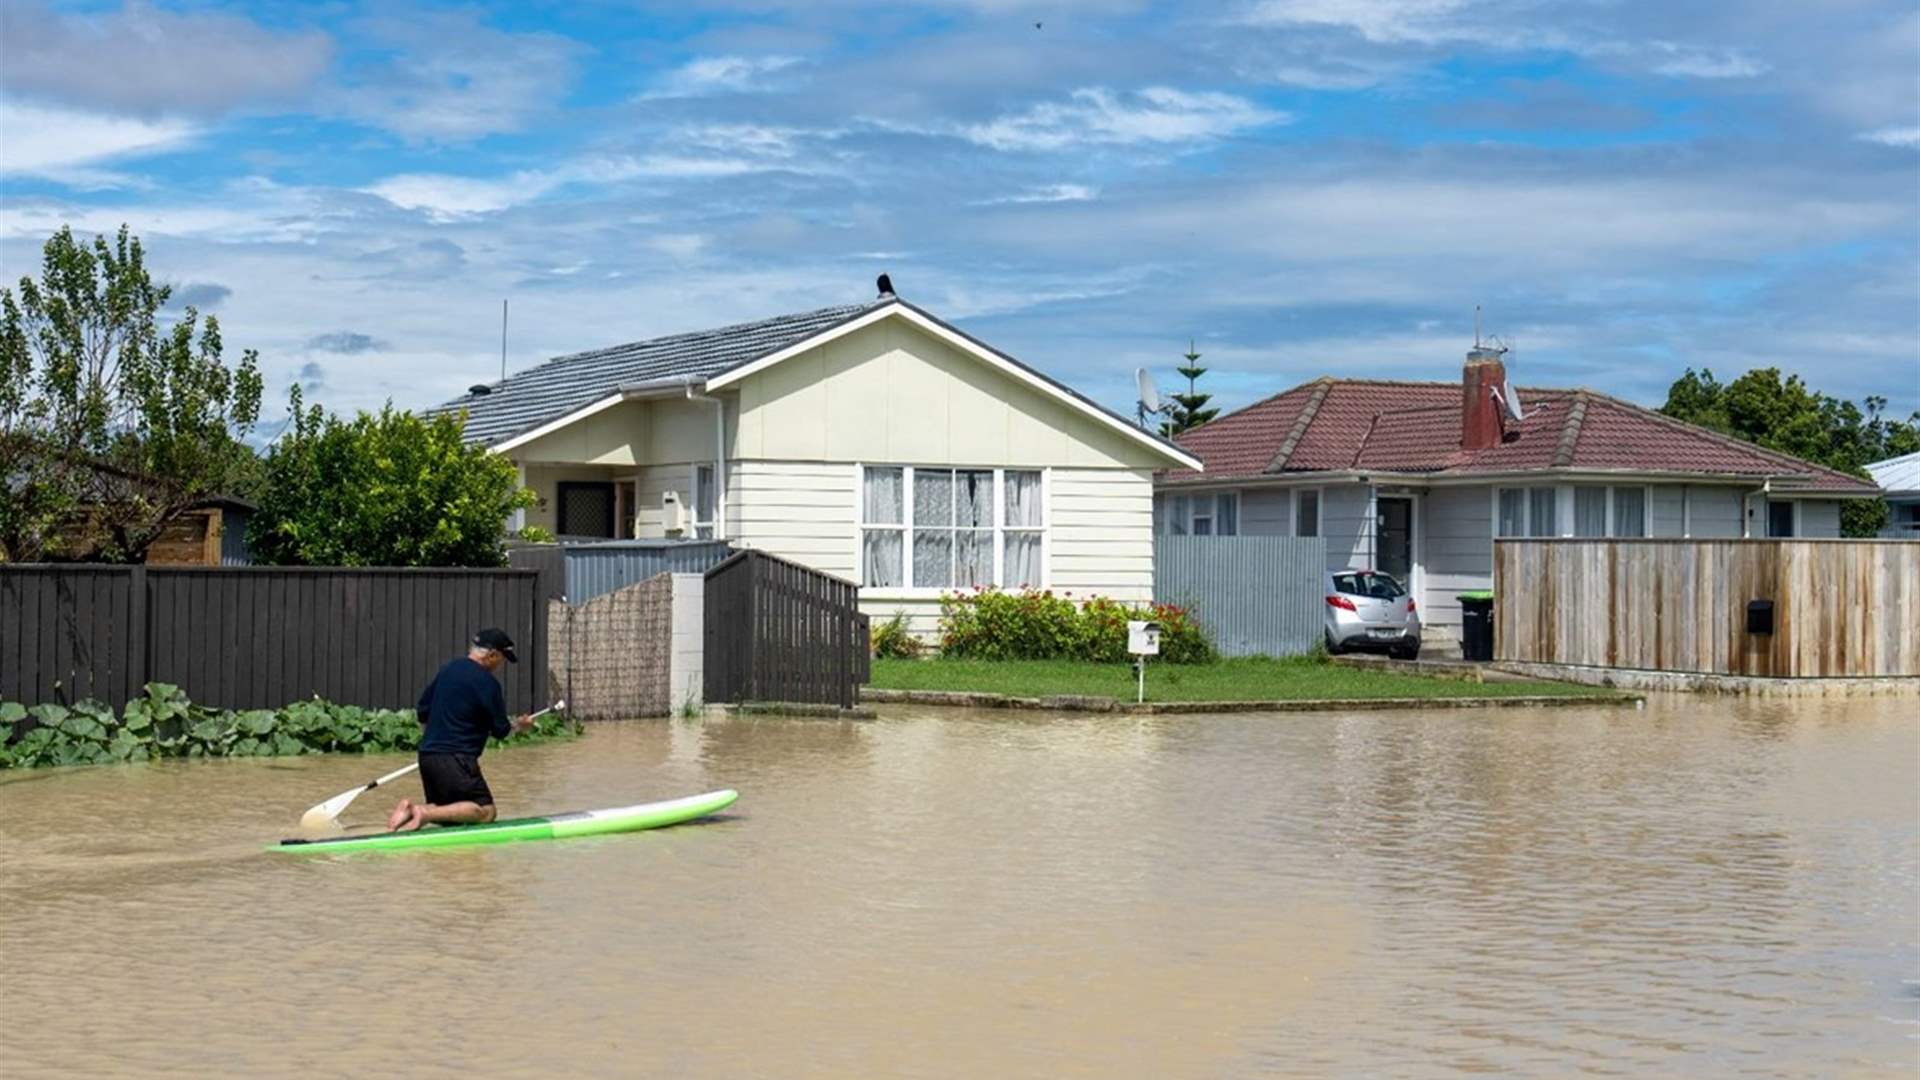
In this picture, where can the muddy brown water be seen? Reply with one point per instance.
(1702, 888)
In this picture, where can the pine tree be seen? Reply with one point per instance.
(1189, 409)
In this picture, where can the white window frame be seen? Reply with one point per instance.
(1646, 511)
(1564, 504)
(1000, 528)
(1202, 506)
(1319, 511)
(707, 529)
(1766, 521)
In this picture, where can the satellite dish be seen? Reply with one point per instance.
(1149, 397)
(1510, 400)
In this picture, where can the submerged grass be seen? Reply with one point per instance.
(1240, 679)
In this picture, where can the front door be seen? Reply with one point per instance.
(1393, 539)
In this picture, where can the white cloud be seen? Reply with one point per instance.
(446, 196)
(146, 60)
(60, 143)
(1157, 114)
(1507, 26)
(454, 79)
(1894, 136)
(721, 75)
(1687, 61)
(1375, 20)
(1051, 193)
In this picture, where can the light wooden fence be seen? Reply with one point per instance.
(1840, 607)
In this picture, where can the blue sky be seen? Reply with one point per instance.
(1302, 187)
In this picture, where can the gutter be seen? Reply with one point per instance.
(1444, 479)
(719, 460)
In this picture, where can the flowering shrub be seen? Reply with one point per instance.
(891, 641)
(987, 624)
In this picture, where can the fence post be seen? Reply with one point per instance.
(139, 639)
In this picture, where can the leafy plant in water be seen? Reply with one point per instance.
(163, 723)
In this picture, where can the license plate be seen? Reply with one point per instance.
(1384, 633)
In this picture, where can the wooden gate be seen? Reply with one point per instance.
(779, 631)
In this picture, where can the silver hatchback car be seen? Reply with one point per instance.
(1367, 609)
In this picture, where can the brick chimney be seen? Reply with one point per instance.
(1481, 418)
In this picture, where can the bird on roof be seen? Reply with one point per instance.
(886, 285)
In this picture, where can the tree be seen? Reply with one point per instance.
(1189, 410)
(111, 424)
(1786, 415)
(382, 489)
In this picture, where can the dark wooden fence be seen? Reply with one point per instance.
(259, 637)
(779, 631)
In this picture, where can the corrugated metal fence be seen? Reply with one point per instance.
(1840, 607)
(591, 570)
(1258, 595)
(258, 637)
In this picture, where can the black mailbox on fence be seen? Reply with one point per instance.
(1759, 616)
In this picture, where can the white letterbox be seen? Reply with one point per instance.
(1143, 638)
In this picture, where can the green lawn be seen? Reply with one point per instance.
(1251, 679)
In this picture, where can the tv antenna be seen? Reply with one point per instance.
(1149, 403)
(503, 339)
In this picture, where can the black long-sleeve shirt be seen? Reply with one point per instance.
(461, 707)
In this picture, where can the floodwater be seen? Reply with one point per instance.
(1701, 888)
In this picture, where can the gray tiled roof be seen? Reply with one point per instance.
(527, 399)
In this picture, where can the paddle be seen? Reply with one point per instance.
(322, 814)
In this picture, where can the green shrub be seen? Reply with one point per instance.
(163, 724)
(988, 624)
(891, 641)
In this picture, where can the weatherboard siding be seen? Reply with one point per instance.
(1099, 541)
(1456, 538)
(892, 393)
(1819, 518)
(1347, 526)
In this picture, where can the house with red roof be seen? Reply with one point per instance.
(1418, 478)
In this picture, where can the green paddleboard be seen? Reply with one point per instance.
(551, 827)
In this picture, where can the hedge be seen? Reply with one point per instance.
(988, 624)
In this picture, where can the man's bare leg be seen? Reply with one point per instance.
(460, 813)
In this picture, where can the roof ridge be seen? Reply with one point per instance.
(1570, 431)
(1263, 401)
(1360, 448)
(692, 335)
(1733, 441)
(1301, 422)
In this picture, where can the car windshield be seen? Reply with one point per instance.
(1368, 583)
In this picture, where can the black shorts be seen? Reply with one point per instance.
(452, 778)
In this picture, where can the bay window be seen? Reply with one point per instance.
(932, 528)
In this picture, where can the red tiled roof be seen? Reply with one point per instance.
(1411, 427)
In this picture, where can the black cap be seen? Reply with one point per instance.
(498, 641)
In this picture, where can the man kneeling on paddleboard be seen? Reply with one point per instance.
(460, 708)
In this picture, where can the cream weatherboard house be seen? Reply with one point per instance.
(872, 441)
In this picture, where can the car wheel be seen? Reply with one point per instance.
(1334, 648)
